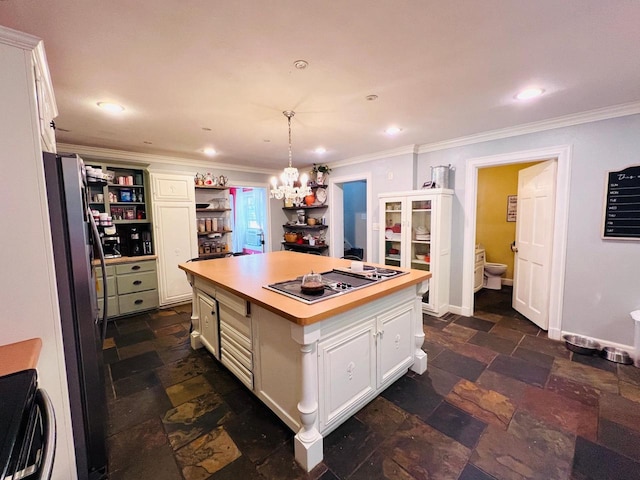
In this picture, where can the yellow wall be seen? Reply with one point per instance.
(492, 229)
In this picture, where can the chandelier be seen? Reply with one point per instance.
(291, 190)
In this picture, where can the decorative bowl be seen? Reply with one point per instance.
(419, 256)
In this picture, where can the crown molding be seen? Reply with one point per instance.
(407, 149)
(605, 113)
(18, 39)
(147, 158)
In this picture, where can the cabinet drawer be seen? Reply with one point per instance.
(233, 302)
(242, 325)
(113, 308)
(111, 286)
(111, 271)
(134, 302)
(146, 266)
(244, 375)
(480, 258)
(137, 282)
(230, 347)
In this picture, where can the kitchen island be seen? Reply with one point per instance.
(314, 365)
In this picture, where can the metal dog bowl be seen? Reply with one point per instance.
(616, 355)
(581, 345)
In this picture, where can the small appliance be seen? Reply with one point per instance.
(146, 243)
(111, 246)
(134, 242)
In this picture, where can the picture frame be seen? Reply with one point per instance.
(512, 207)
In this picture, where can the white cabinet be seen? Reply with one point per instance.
(347, 371)
(47, 110)
(395, 342)
(208, 316)
(355, 364)
(416, 233)
(176, 241)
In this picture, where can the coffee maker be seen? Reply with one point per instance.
(111, 246)
(135, 248)
(146, 243)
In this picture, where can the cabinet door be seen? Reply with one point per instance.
(419, 232)
(176, 243)
(392, 243)
(395, 341)
(172, 188)
(347, 372)
(208, 316)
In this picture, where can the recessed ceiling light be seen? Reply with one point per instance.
(393, 130)
(529, 93)
(301, 64)
(111, 107)
(320, 150)
(210, 152)
(371, 98)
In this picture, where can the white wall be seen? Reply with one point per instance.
(393, 174)
(602, 278)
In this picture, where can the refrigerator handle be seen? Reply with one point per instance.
(98, 243)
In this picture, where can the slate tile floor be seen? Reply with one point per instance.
(499, 400)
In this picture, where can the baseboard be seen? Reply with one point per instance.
(508, 282)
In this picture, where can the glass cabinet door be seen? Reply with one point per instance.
(420, 229)
(393, 249)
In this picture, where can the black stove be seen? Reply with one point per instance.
(336, 282)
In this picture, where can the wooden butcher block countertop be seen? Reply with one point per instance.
(19, 356)
(246, 275)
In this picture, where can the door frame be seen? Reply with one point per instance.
(563, 155)
(267, 206)
(336, 210)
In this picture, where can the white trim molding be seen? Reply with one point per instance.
(605, 113)
(147, 158)
(562, 154)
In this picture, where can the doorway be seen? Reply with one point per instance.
(562, 155)
(249, 213)
(350, 216)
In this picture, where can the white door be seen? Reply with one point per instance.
(534, 235)
(176, 242)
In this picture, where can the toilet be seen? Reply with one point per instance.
(492, 275)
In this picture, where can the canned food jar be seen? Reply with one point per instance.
(208, 224)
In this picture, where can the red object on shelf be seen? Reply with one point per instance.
(397, 228)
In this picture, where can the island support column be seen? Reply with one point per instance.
(194, 331)
(308, 441)
(420, 357)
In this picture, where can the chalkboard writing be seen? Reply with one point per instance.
(622, 208)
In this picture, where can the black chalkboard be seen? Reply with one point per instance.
(622, 209)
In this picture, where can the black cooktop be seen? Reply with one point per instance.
(336, 282)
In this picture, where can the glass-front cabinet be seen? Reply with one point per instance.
(416, 233)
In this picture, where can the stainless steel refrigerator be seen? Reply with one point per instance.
(76, 243)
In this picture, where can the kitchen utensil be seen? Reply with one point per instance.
(312, 283)
(580, 344)
(616, 355)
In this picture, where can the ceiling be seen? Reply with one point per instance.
(202, 73)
